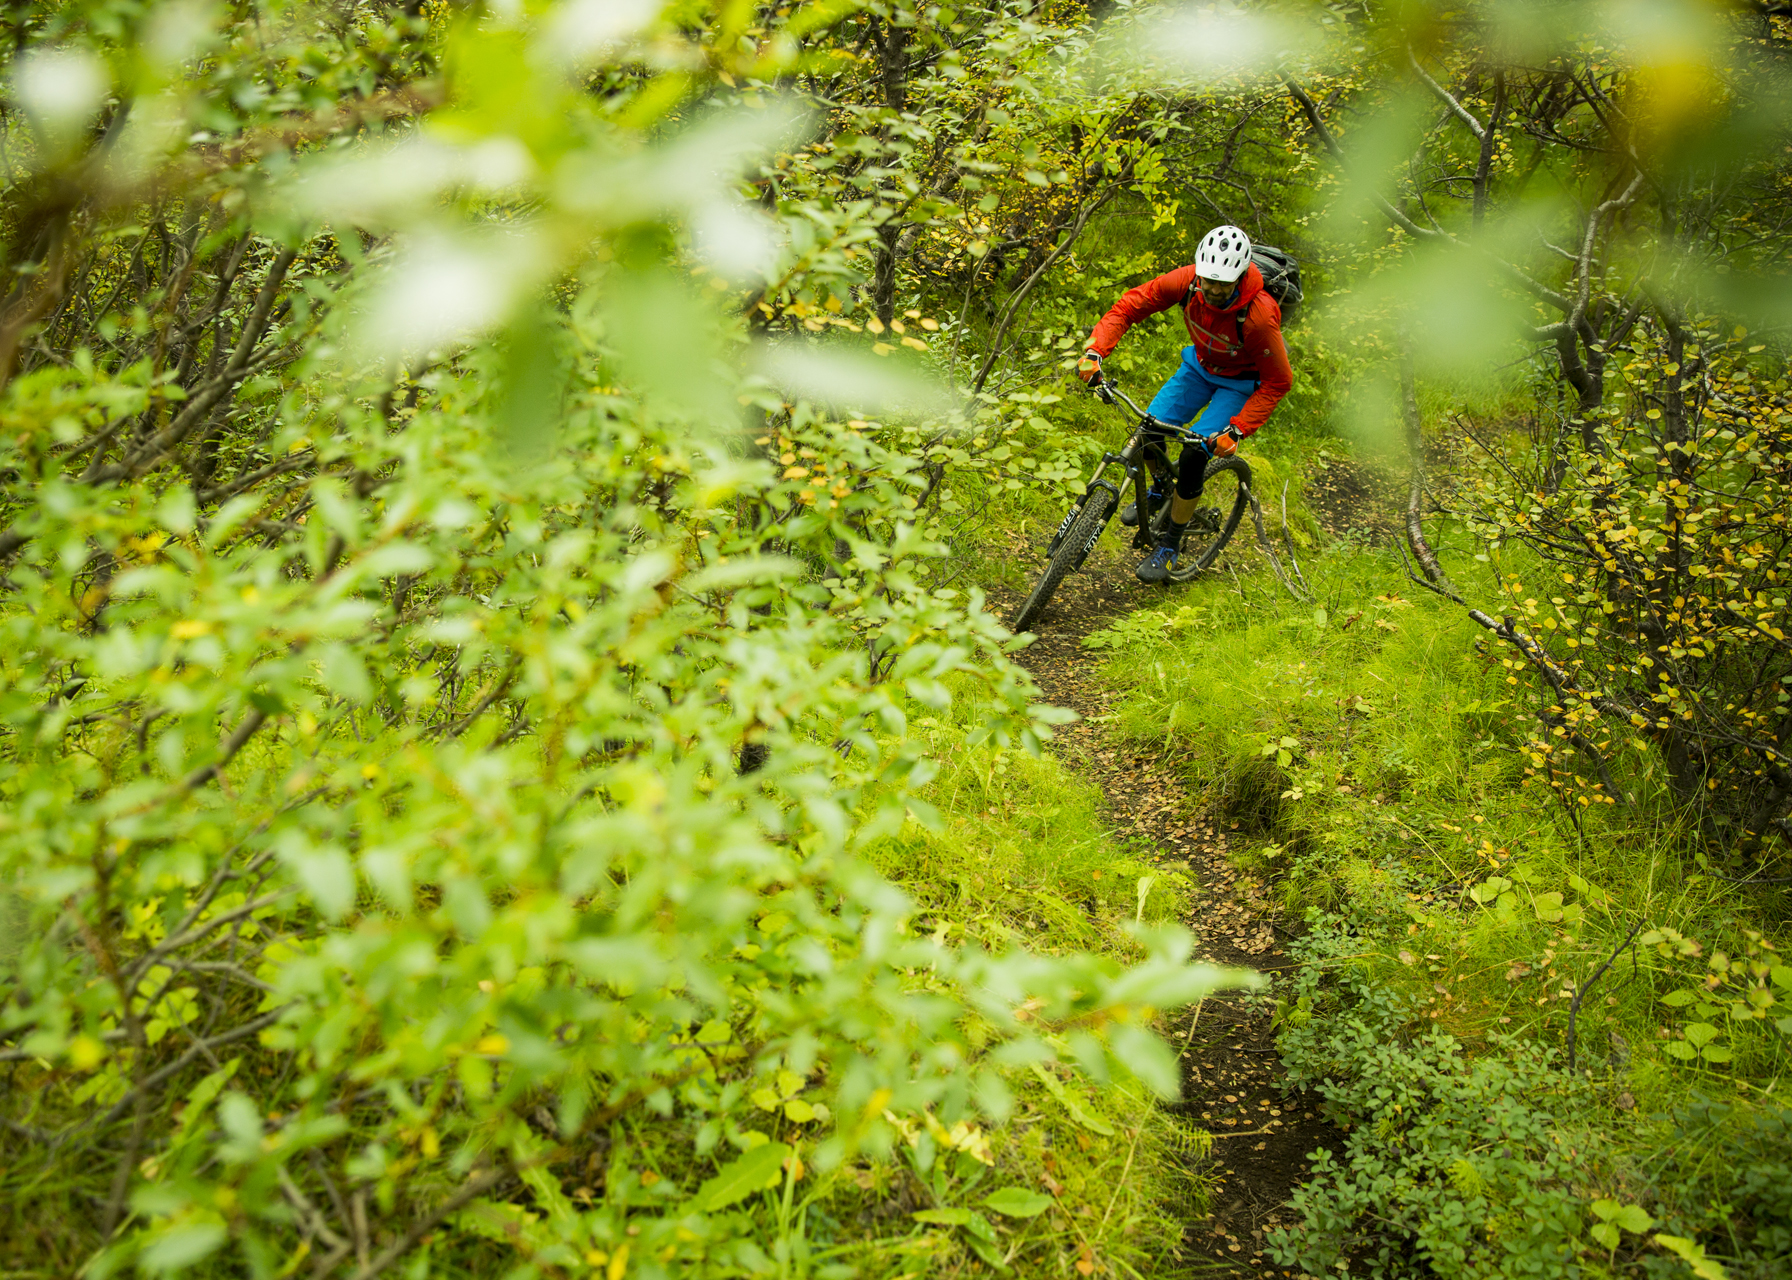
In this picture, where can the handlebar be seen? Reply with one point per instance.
(1105, 390)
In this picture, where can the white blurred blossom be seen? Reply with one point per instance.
(698, 168)
(61, 91)
(441, 290)
(583, 30)
(178, 29)
(1217, 41)
(847, 381)
(388, 183)
(497, 164)
(736, 241)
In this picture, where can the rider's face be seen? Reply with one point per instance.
(1217, 292)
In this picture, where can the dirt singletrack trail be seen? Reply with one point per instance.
(1232, 1084)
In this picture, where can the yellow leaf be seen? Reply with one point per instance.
(492, 1044)
(85, 1053)
(190, 629)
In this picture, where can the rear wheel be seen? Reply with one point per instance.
(1225, 493)
(1072, 548)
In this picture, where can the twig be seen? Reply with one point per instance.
(1007, 316)
(357, 1204)
(1415, 448)
(476, 1186)
(1264, 546)
(235, 743)
(151, 1081)
(1574, 1007)
(1191, 1026)
(1131, 1151)
(1288, 536)
(307, 1211)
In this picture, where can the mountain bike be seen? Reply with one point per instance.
(1226, 493)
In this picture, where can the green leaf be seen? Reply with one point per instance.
(1700, 1034)
(1017, 1202)
(1607, 1235)
(1606, 1210)
(1716, 1053)
(344, 674)
(734, 1182)
(1634, 1218)
(204, 1092)
(323, 871)
(1680, 1049)
(182, 1246)
(1679, 999)
(989, 1252)
(943, 1217)
(1094, 1124)
(1693, 1254)
(979, 1227)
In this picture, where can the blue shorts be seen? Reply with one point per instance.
(1192, 390)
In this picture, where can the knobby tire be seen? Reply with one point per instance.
(1082, 533)
(1199, 558)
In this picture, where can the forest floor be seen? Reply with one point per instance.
(1232, 1084)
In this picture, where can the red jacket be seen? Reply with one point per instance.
(1243, 340)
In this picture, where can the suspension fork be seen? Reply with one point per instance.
(1130, 459)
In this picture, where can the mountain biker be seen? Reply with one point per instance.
(1232, 376)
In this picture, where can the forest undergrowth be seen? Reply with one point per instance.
(507, 765)
(1517, 1004)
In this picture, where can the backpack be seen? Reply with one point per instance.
(1281, 278)
(1281, 281)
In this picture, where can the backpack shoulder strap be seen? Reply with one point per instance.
(1243, 311)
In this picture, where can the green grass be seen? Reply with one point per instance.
(1375, 748)
(1016, 853)
(1376, 755)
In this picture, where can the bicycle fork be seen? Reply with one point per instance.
(1126, 458)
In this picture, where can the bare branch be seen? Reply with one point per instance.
(1461, 112)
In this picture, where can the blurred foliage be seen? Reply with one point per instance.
(467, 589)
(492, 498)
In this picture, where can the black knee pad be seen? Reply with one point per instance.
(1191, 474)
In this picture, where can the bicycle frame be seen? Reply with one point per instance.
(1131, 459)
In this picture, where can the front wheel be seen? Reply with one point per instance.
(1071, 550)
(1225, 493)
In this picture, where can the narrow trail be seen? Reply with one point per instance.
(1232, 1076)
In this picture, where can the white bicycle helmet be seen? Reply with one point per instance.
(1223, 255)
